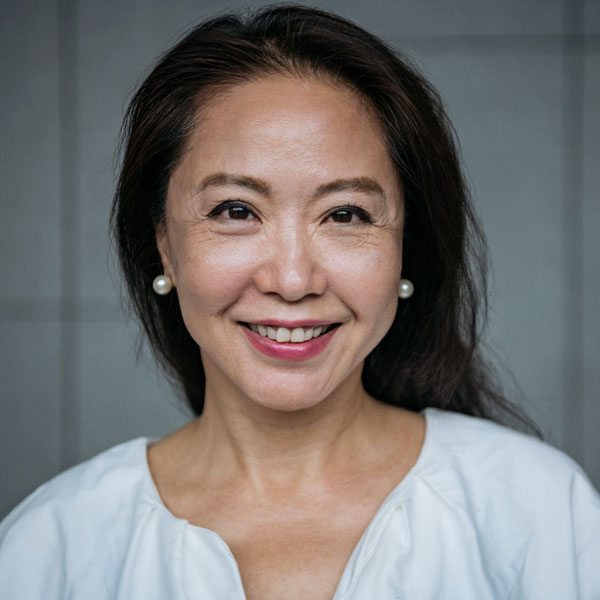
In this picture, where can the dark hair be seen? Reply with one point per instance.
(430, 355)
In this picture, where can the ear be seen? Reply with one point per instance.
(164, 249)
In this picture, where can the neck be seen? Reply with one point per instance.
(237, 437)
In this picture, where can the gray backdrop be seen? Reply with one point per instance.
(521, 80)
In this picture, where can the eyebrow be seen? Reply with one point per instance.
(223, 179)
(355, 184)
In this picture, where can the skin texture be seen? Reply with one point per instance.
(297, 448)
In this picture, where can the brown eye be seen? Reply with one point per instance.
(232, 210)
(342, 216)
(238, 212)
(346, 214)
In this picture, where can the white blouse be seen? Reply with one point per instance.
(485, 513)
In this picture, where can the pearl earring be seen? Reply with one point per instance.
(406, 289)
(162, 285)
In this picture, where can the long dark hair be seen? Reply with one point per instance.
(430, 355)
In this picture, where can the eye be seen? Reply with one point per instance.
(232, 209)
(350, 214)
(238, 212)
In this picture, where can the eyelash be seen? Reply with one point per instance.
(360, 212)
(216, 212)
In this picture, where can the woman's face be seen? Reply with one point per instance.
(284, 215)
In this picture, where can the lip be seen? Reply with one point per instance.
(295, 351)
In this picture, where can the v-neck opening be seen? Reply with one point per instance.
(395, 497)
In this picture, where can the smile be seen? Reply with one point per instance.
(296, 343)
(284, 335)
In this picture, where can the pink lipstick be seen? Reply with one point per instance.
(296, 351)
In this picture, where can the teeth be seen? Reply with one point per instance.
(297, 335)
(283, 334)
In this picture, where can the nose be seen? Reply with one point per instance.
(292, 266)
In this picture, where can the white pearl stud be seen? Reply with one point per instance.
(406, 289)
(162, 285)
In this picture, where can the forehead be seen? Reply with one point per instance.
(280, 93)
(280, 125)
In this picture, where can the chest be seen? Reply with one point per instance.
(294, 561)
(292, 546)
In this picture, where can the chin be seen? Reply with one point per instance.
(289, 392)
(288, 397)
(288, 405)
(286, 402)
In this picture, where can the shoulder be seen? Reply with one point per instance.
(109, 477)
(64, 519)
(487, 451)
(524, 500)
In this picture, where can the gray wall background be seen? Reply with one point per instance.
(521, 80)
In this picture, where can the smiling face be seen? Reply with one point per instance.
(284, 217)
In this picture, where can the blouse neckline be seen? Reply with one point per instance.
(362, 550)
(397, 494)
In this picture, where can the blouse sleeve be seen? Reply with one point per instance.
(31, 556)
(585, 515)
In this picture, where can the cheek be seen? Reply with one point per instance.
(212, 276)
(368, 278)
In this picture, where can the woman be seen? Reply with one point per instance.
(297, 241)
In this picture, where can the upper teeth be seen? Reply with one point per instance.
(283, 334)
